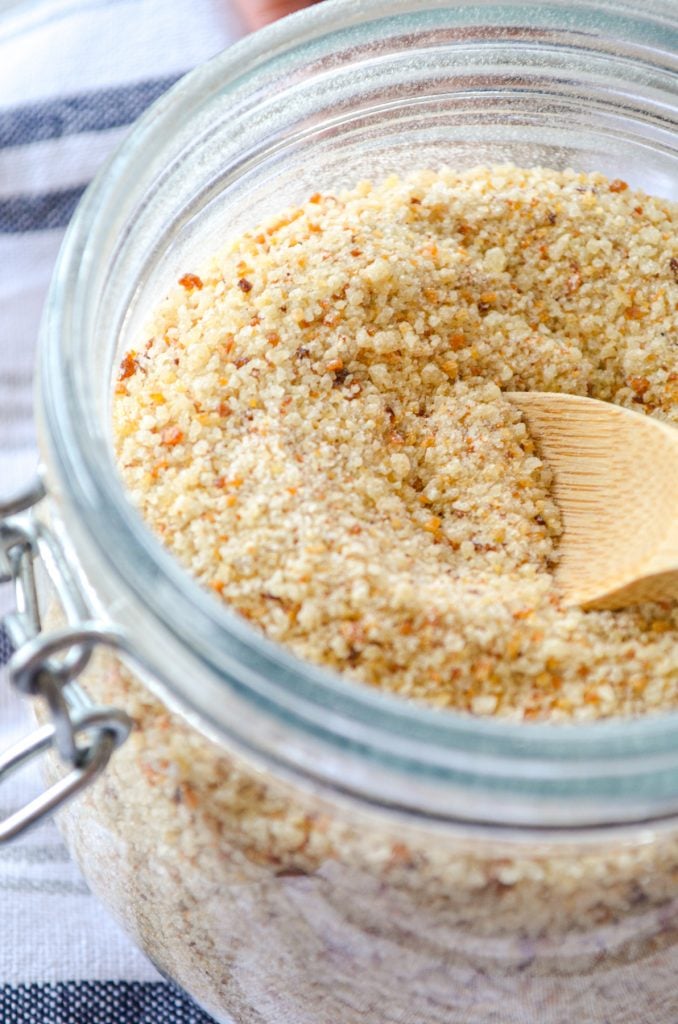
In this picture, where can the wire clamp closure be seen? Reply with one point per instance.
(47, 664)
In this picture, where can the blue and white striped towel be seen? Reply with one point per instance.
(73, 75)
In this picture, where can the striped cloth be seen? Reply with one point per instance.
(73, 75)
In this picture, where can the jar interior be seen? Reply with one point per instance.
(421, 102)
(261, 129)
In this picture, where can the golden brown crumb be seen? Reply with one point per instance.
(393, 520)
(190, 282)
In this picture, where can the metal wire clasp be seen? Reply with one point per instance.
(46, 664)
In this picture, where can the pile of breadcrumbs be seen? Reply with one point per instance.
(315, 426)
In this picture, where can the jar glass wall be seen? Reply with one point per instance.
(480, 864)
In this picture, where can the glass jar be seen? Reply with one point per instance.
(286, 845)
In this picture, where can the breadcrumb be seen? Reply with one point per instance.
(393, 521)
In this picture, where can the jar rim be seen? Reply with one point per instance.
(551, 774)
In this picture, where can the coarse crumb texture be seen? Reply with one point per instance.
(273, 904)
(315, 426)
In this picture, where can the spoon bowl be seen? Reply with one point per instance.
(616, 484)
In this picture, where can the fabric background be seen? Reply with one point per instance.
(73, 75)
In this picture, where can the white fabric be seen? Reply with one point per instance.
(54, 47)
(55, 163)
(51, 928)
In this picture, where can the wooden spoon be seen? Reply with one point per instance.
(616, 484)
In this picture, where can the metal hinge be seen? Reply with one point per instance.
(46, 664)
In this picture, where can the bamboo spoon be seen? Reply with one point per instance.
(616, 484)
